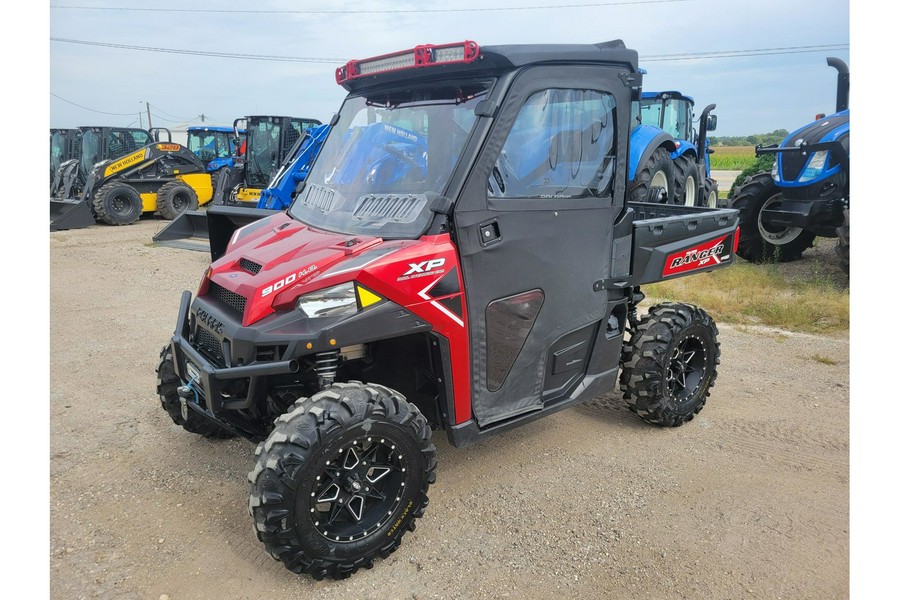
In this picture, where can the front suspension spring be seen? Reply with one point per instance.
(326, 367)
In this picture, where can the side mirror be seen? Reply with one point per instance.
(711, 121)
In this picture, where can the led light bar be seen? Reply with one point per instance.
(427, 55)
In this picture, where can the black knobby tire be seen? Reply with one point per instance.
(117, 204)
(687, 181)
(167, 383)
(658, 165)
(174, 198)
(341, 478)
(843, 245)
(711, 191)
(670, 363)
(756, 243)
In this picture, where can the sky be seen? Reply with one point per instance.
(782, 84)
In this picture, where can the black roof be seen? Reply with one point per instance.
(493, 60)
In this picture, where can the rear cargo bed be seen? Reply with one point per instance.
(669, 241)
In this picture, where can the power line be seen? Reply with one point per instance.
(131, 114)
(307, 59)
(373, 11)
(158, 109)
(742, 53)
(266, 57)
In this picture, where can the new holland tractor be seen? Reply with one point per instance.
(686, 174)
(216, 146)
(807, 193)
(162, 177)
(462, 257)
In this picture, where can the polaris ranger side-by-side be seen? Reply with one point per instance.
(461, 256)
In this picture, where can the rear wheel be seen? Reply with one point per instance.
(167, 383)
(843, 247)
(670, 363)
(341, 478)
(687, 177)
(760, 242)
(711, 191)
(117, 204)
(657, 172)
(174, 198)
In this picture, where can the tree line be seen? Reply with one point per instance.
(762, 139)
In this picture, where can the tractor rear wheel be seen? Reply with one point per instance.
(174, 198)
(760, 242)
(687, 178)
(711, 190)
(167, 383)
(669, 364)
(657, 172)
(117, 204)
(843, 247)
(342, 477)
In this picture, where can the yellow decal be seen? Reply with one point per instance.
(123, 163)
(367, 298)
(248, 194)
(168, 147)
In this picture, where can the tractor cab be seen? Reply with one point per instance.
(211, 143)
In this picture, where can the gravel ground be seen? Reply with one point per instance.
(750, 500)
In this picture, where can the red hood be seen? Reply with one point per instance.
(276, 254)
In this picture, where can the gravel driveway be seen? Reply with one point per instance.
(750, 500)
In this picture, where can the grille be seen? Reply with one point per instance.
(210, 345)
(235, 301)
(402, 209)
(250, 266)
(320, 198)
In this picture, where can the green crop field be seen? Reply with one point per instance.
(731, 158)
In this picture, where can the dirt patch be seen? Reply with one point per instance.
(748, 500)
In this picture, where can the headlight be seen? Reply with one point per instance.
(775, 171)
(815, 166)
(330, 302)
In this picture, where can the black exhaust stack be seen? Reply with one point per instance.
(843, 83)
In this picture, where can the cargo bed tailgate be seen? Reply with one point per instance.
(670, 241)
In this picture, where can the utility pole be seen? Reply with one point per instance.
(202, 118)
(149, 121)
(141, 119)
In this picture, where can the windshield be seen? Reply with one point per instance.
(57, 149)
(388, 158)
(672, 116)
(209, 145)
(90, 150)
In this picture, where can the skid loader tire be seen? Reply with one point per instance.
(117, 204)
(342, 477)
(687, 181)
(843, 246)
(758, 244)
(658, 172)
(174, 198)
(670, 363)
(167, 383)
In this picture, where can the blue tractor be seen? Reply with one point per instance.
(667, 153)
(217, 147)
(807, 193)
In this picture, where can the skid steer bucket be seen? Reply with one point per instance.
(188, 231)
(70, 214)
(208, 230)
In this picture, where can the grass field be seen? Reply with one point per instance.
(731, 158)
(768, 295)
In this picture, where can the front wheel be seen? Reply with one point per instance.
(117, 204)
(341, 478)
(670, 363)
(174, 198)
(758, 241)
(843, 246)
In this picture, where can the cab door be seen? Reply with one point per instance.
(534, 226)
